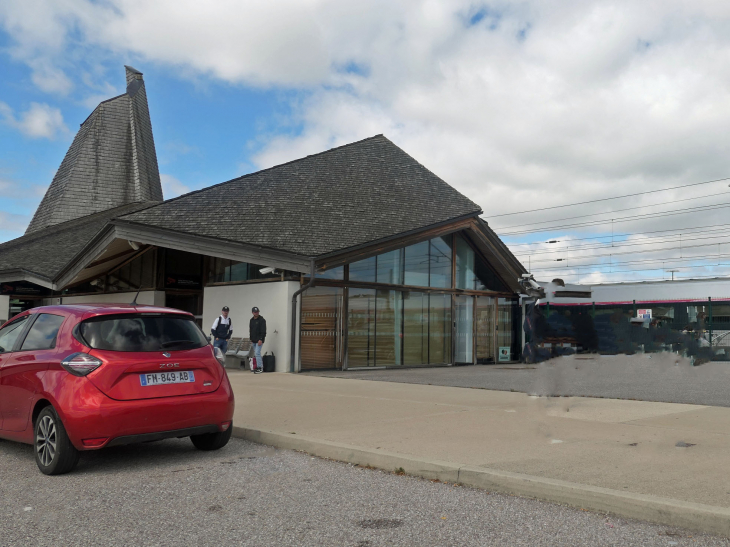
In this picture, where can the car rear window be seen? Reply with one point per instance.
(142, 332)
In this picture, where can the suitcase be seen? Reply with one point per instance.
(269, 362)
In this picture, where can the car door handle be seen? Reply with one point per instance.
(24, 358)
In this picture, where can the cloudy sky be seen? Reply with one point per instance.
(519, 105)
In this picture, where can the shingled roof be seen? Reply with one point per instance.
(45, 252)
(359, 193)
(111, 162)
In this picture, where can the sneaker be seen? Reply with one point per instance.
(257, 371)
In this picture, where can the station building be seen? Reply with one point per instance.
(399, 268)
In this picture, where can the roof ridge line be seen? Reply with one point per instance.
(98, 105)
(270, 168)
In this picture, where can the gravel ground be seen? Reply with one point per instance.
(648, 377)
(168, 493)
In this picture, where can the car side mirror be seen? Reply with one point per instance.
(208, 338)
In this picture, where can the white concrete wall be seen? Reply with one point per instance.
(4, 309)
(273, 300)
(150, 298)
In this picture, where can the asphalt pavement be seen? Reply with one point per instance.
(662, 377)
(168, 493)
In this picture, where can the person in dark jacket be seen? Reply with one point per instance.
(257, 335)
(222, 330)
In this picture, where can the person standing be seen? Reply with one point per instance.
(257, 335)
(222, 330)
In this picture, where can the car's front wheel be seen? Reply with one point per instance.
(212, 441)
(54, 452)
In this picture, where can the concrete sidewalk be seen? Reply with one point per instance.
(656, 461)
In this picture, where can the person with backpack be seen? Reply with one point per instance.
(257, 335)
(222, 330)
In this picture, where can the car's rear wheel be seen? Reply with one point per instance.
(54, 452)
(212, 441)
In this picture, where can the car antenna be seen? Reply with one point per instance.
(134, 302)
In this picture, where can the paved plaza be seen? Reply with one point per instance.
(646, 377)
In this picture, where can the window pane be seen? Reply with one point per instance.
(485, 329)
(10, 334)
(238, 271)
(415, 328)
(363, 270)
(131, 332)
(440, 257)
(464, 308)
(416, 264)
(387, 329)
(464, 264)
(508, 313)
(361, 328)
(486, 279)
(337, 273)
(439, 339)
(390, 267)
(43, 333)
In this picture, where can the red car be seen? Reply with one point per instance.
(83, 377)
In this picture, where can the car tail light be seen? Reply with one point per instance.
(219, 355)
(80, 364)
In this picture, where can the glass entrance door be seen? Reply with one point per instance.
(464, 308)
(485, 329)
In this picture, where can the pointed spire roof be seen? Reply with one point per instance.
(111, 162)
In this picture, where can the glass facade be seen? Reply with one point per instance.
(388, 328)
(415, 328)
(464, 308)
(485, 329)
(394, 326)
(222, 270)
(337, 274)
(473, 273)
(363, 270)
(439, 329)
(361, 328)
(440, 257)
(390, 267)
(416, 264)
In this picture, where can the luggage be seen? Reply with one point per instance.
(251, 361)
(269, 362)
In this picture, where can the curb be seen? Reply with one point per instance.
(670, 512)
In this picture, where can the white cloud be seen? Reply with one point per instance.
(516, 104)
(172, 187)
(39, 121)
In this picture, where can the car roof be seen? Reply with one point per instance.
(84, 311)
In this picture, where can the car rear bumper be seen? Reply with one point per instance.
(94, 416)
(160, 435)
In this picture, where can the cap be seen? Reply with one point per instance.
(254, 310)
(225, 308)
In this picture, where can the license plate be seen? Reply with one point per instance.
(160, 378)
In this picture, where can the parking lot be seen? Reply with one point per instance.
(167, 493)
(661, 377)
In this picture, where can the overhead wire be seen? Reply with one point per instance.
(608, 199)
(724, 233)
(687, 229)
(612, 211)
(623, 219)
